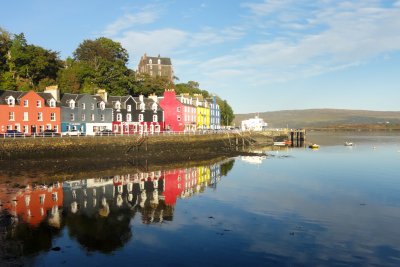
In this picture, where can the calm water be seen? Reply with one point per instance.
(335, 206)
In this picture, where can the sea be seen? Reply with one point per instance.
(290, 206)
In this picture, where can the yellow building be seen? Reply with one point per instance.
(203, 113)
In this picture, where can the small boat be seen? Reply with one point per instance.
(279, 144)
(313, 146)
(348, 144)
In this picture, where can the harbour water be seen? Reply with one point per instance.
(335, 206)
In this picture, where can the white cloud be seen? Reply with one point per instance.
(338, 36)
(129, 20)
(163, 42)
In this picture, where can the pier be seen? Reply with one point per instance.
(297, 137)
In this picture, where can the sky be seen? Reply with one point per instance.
(259, 55)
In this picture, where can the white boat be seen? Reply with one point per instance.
(279, 144)
(348, 144)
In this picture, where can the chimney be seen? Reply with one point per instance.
(53, 90)
(154, 97)
(103, 94)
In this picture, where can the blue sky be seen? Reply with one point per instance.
(260, 55)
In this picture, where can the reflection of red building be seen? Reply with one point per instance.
(32, 204)
(178, 183)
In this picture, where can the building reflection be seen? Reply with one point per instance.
(98, 212)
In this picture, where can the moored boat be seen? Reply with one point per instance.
(314, 146)
(348, 144)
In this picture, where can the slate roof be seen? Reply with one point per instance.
(16, 94)
(164, 60)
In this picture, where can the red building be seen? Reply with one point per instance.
(178, 112)
(29, 112)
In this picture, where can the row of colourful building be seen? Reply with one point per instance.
(33, 112)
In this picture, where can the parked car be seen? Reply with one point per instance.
(72, 133)
(105, 132)
(12, 133)
(48, 133)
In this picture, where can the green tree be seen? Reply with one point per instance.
(226, 111)
(106, 61)
(5, 44)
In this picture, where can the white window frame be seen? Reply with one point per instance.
(155, 118)
(141, 118)
(119, 117)
(129, 108)
(52, 103)
(72, 104)
(11, 116)
(26, 103)
(92, 116)
(92, 106)
(40, 116)
(26, 116)
(129, 117)
(102, 117)
(11, 101)
(38, 103)
(83, 105)
(72, 117)
(178, 109)
(52, 116)
(83, 117)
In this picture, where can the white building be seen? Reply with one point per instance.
(254, 124)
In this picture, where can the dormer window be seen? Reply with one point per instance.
(150, 61)
(72, 104)
(102, 105)
(52, 103)
(141, 106)
(117, 105)
(159, 61)
(10, 101)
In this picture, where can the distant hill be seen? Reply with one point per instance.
(322, 118)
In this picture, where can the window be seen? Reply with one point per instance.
(48, 126)
(42, 198)
(52, 116)
(83, 105)
(119, 117)
(11, 101)
(26, 129)
(56, 128)
(179, 118)
(159, 61)
(11, 116)
(26, 103)
(118, 105)
(141, 106)
(41, 128)
(92, 106)
(72, 104)
(140, 117)
(102, 106)
(38, 103)
(72, 116)
(129, 108)
(83, 117)
(40, 116)
(52, 103)
(178, 109)
(128, 117)
(92, 117)
(102, 117)
(155, 118)
(115, 128)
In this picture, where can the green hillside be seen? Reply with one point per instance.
(321, 118)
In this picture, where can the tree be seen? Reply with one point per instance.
(106, 61)
(5, 44)
(226, 111)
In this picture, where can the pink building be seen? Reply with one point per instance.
(179, 113)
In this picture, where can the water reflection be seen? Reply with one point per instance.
(97, 212)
